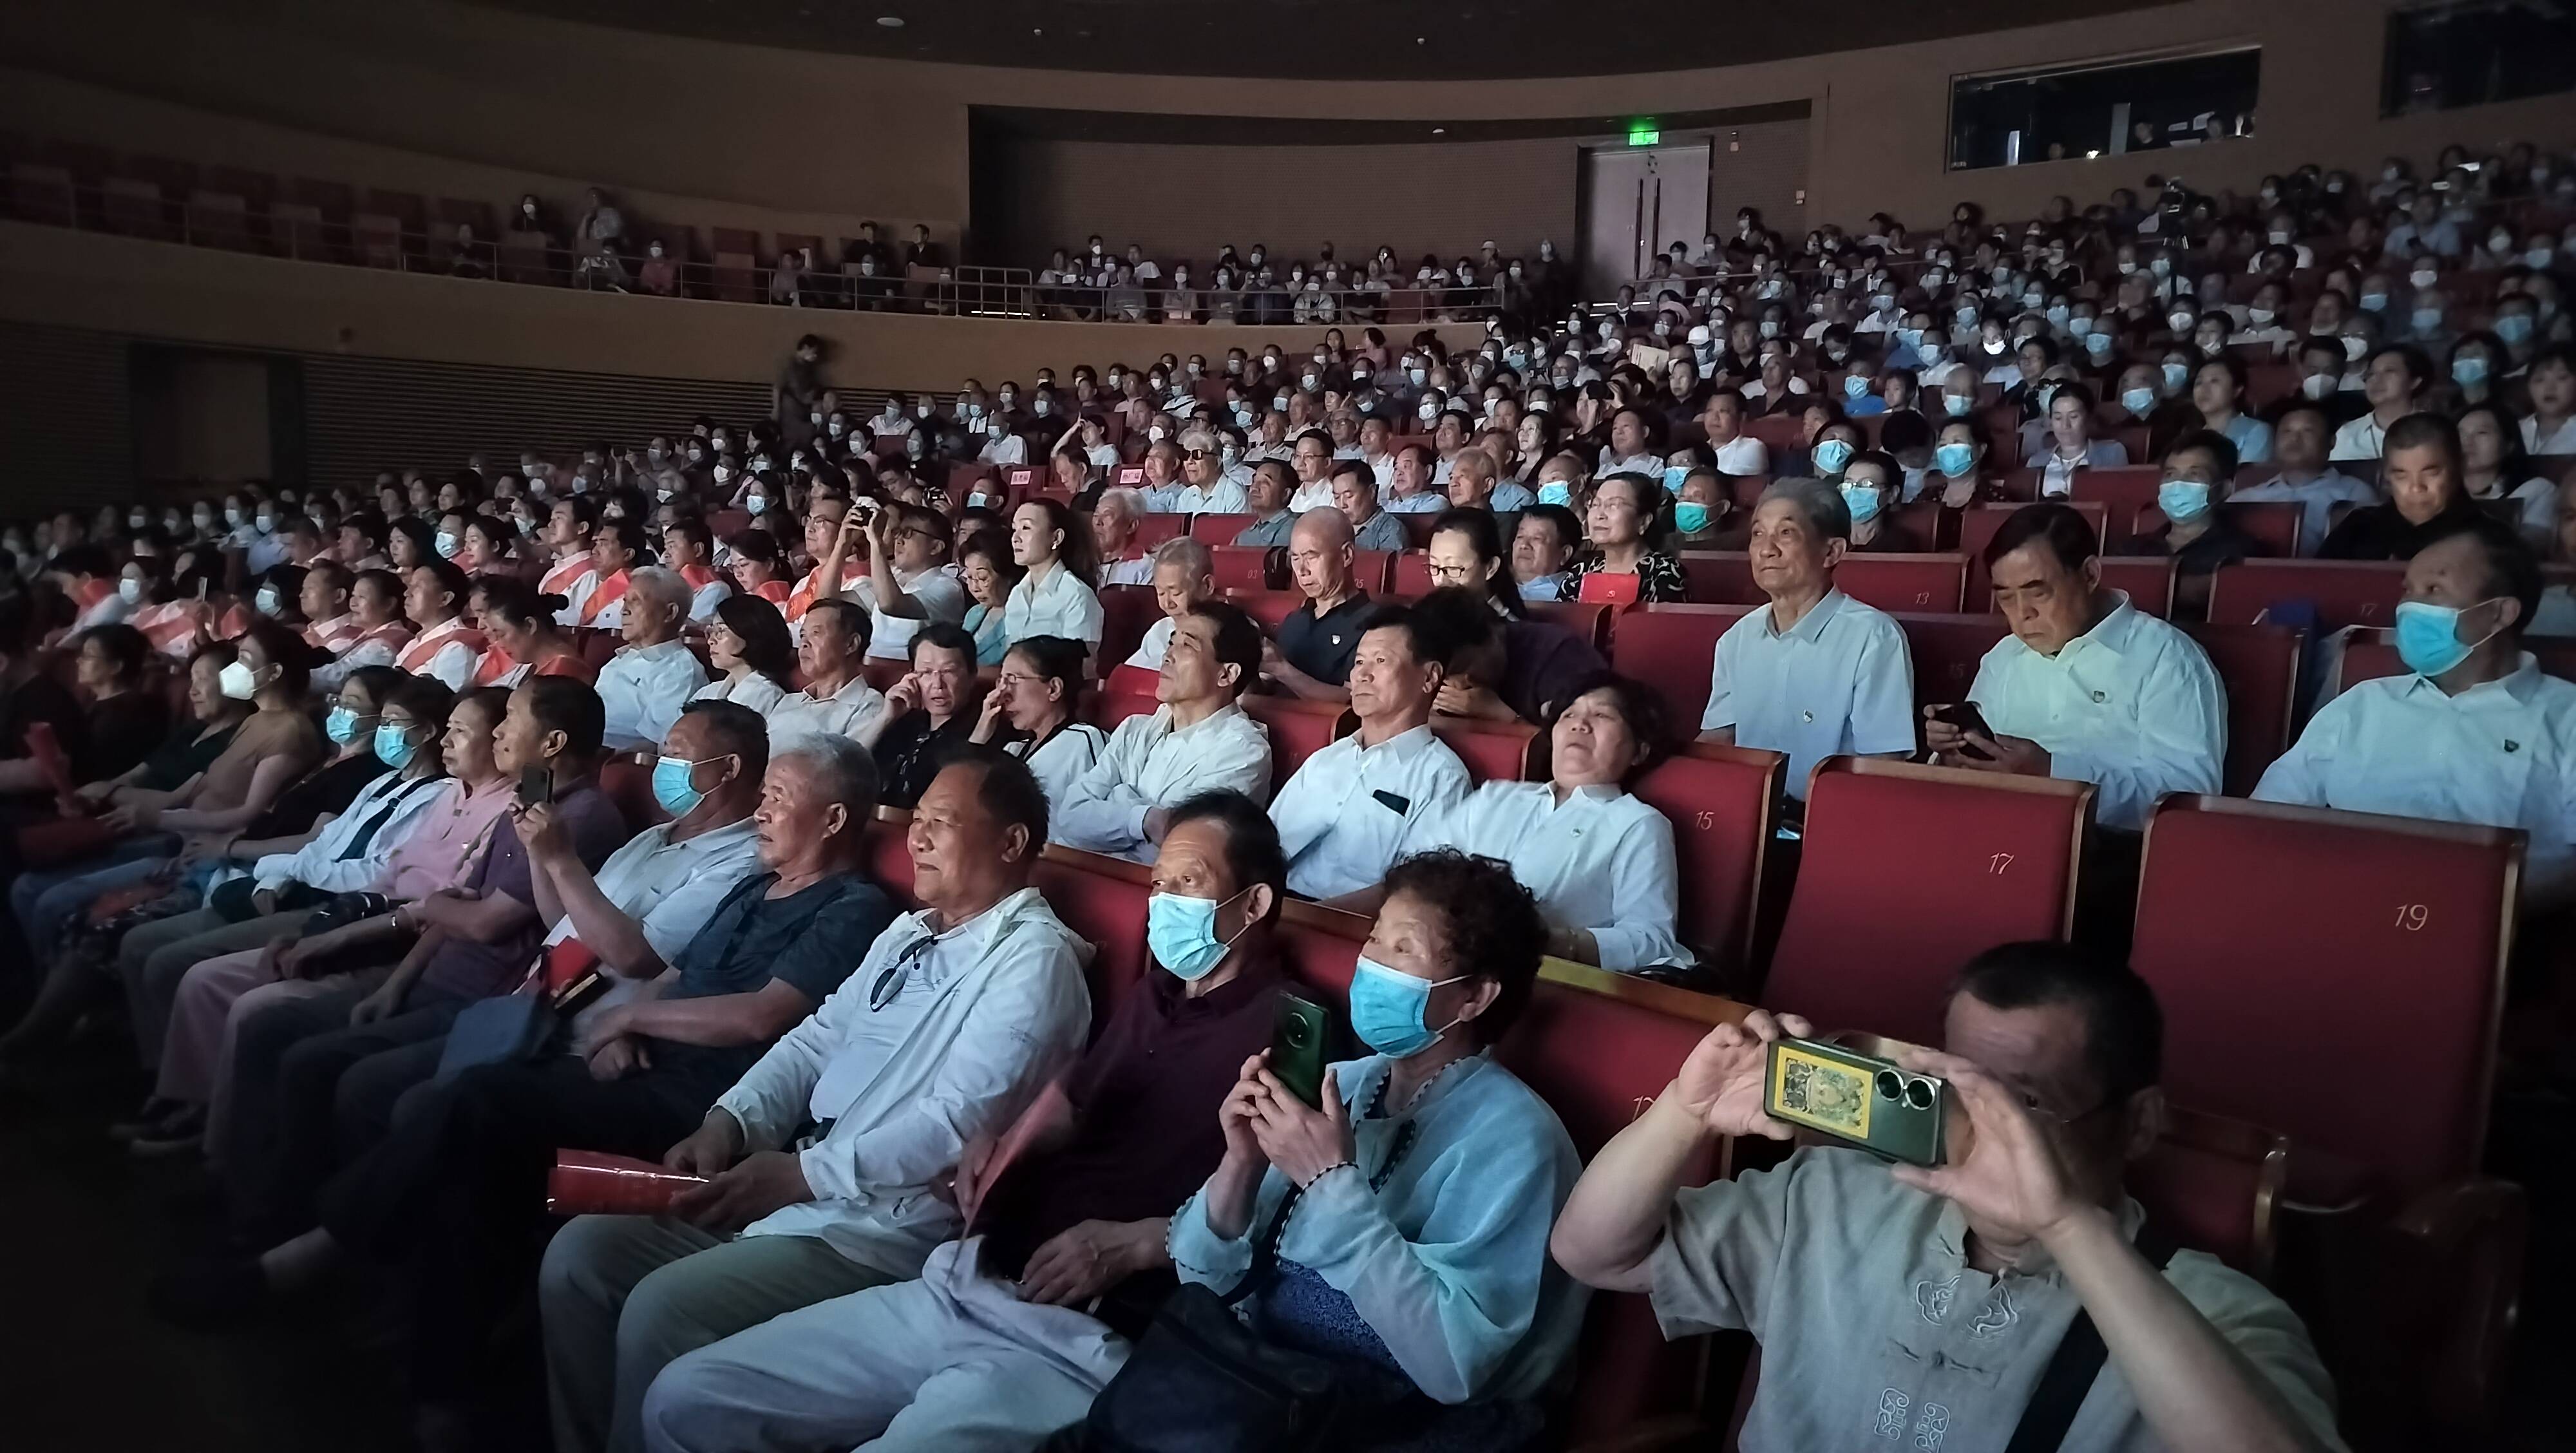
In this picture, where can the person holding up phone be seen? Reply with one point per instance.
(1929, 1304)
(2087, 688)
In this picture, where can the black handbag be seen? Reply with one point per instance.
(1200, 1381)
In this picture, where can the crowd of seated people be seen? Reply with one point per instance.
(327, 783)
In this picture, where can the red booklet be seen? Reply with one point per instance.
(586, 1183)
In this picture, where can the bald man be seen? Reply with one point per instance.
(1311, 656)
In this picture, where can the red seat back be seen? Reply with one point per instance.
(1371, 569)
(2334, 975)
(1671, 649)
(1947, 651)
(1723, 803)
(1242, 567)
(1127, 612)
(1931, 583)
(1322, 946)
(2344, 592)
(1590, 621)
(1908, 872)
(630, 786)
(2259, 666)
(890, 855)
(1410, 578)
(1298, 730)
(1492, 751)
(1719, 577)
(1270, 607)
(2148, 581)
(1155, 529)
(1218, 529)
(1599, 1048)
(1102, 899)
(2214, 1184)
(2273, 523)
(2122, 493)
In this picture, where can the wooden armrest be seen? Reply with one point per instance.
(2445, 1218)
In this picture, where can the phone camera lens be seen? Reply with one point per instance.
(1891, 1086)
(1918, 1093)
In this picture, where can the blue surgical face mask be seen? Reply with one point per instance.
(1182, 933)
(1387, 1008)
(1831, 455)
(2428, 637)
(1690, 517)
(2138, 401)
(1854, 385)
(2513, 327)
(1864, 502)
(1674, 474)
(2468, 372)
(1555, 492)
(1956, 405)
(393, 745)
(1954, 460)
(672, 787)
(2176, 375)
(2182, 499)
(341, 726)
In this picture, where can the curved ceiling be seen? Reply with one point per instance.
(1364, 40)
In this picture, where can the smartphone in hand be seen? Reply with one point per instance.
(1965, 716)
(536, 787)
(1301, 1041)
(1857, 1098)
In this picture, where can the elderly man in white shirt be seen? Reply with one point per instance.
(2087, 688)
(955, 1019)
(645, 686)
(1813, 673)
(1207, 489)
(836, 699)
(1113, 528)
(2473, 732)
(910, 581)
(1198, 739)
(1184, 575)
(2299, 441)
(1347, 810)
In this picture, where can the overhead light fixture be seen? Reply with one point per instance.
(891, 22)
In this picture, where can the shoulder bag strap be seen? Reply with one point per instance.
(2078, 1361)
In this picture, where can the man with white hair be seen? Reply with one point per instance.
(1209, 489)
(1123, 561)
(648, 683)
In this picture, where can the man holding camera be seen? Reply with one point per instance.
(1957, 1303)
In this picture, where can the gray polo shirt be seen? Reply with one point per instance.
(1838, 681)
(1877, 1334)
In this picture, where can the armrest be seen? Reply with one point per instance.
(2445, 1218)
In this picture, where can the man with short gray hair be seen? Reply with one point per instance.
(1207, 488)
(650, 680)
(1814, 673)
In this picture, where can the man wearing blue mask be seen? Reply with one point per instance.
(1345, 812)
(2198, 470)
(2473, 732)
(1011, 1329)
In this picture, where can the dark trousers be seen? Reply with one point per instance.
(311, 1089)
(457, 1192)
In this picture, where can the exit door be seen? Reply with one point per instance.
(1638, 201)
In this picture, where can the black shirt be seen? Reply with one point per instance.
(2220, 544)
(123, 730)
(330, 787)
(2379, 532)
(912, 751)
(40, 698)
(809, 940)
(1322, 646)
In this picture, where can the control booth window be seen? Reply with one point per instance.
(2469, 54)
(2105, 109)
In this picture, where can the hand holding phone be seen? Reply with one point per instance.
(536, 786)
(1301, 1042)
(1963, 718)
(1876, 1104)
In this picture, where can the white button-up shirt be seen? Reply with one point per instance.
(2561, 440)
(941, 595)
(1149, 651)
(392, 802)
(1601, 860)
(2132, 706)
(1345, 813)
(1147, 765)
(1225, 497)
(981, 1017)
(672, 888)
(2500, 754)
(1060, 760)
(1058, 606)
(2359, 439)
(754, 690)
(1742, 454)
(1138, 570)
(1838, 681)
(856, 711)
(2317, 500)
(644, 689)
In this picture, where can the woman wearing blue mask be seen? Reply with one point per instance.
(1872, 489)
(1958, 474)
(1833, 448)
(2199, 470)
(1394, 1256)
(2478, 363)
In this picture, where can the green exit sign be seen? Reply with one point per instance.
(1643, 133)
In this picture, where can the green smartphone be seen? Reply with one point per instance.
(1301, 1043)
(1870, 1102)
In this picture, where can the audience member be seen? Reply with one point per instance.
(2199, 468)
(1030, 712)
(1054, 596)
(2421, 472)
(646, 685)
(435, 597)
(836, 699)
(909, 582)
(933, 710)
(2300, 435)
(1618, 522)
(1198, 739)
(1355, 494)
(1310, 654)
(754, 659)
(1266, 497)
(1348, 807)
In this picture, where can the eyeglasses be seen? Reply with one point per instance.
(890, 982)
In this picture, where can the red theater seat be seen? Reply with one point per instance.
(1298, 730)
(1905, 874)
(629, 784)
(2362, 653)
(1930, 583)
(2148, 581)
(1218, 529)
(2342, 592)
(1719, 577)
(1322, 946)
(1242, 567)
(1492, 751)
(1410, 579)
(1670, 649)
(1154, 529)
(1588, 620)
(1371, 569)
(1127, 612)
(1947, 651)
(2123, 494)
(1102, 899)
(890, 855)
(2259, 666)
(1270, 607)
(1724, 807)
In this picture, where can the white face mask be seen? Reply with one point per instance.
(130, 588)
